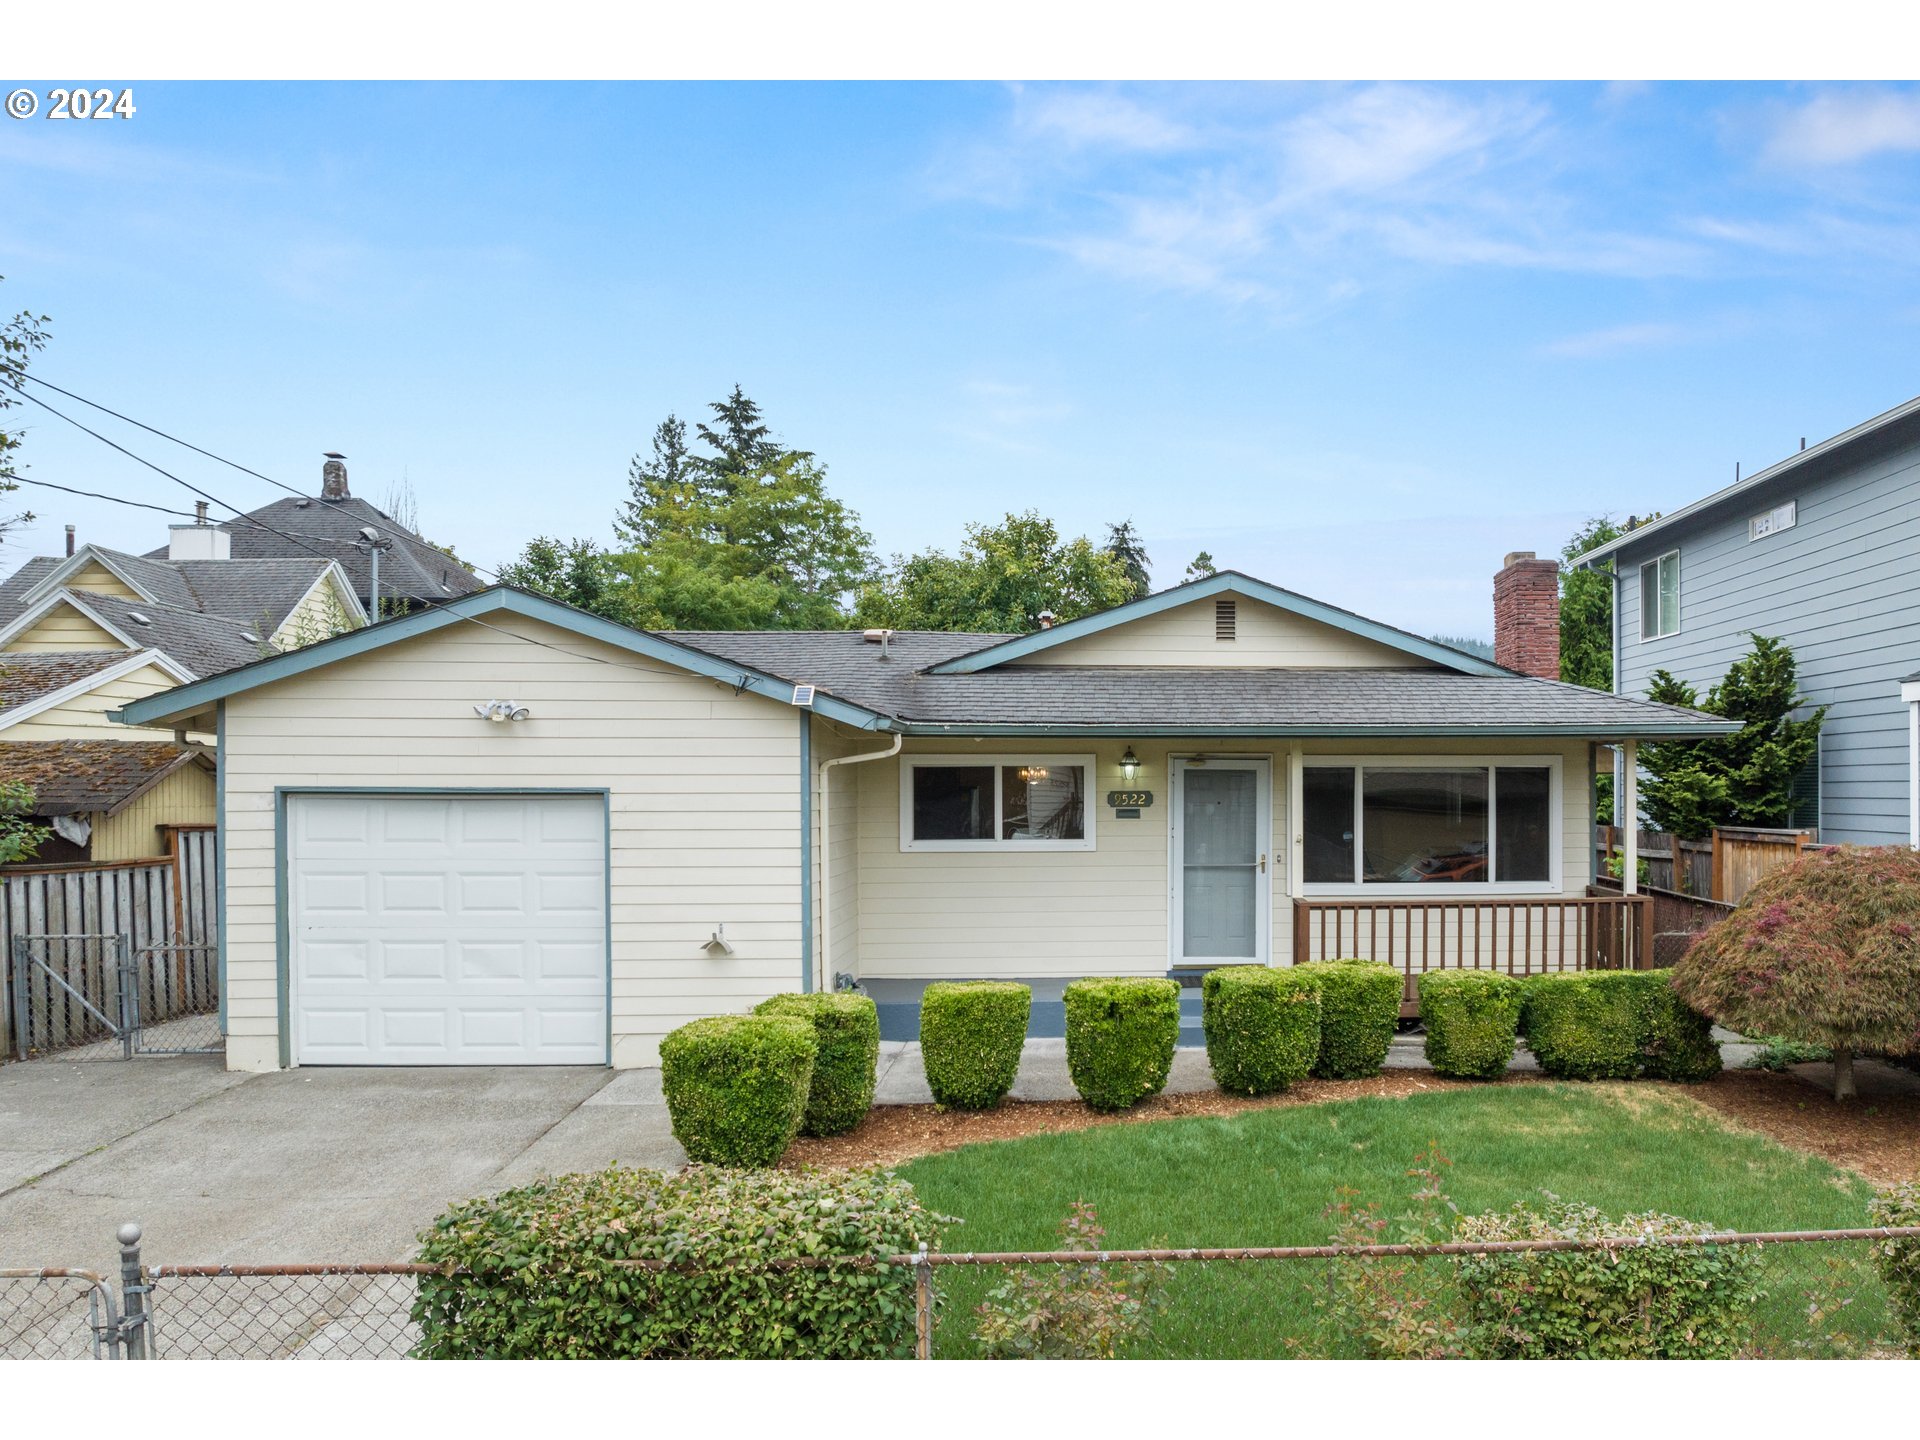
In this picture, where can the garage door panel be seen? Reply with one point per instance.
(465, 930)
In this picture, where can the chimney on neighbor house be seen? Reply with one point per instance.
(198, 541)
(69, 539)
(333, 478)
(1526, 615)
(1046, 619)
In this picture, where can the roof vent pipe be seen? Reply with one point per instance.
(1047, 617)
(880, 638)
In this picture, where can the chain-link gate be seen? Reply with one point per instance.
(97, 997)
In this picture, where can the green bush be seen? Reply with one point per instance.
(846, 1028)
(1262, 1026)
(1359, 1012)
(1648, 1302)
(1616, 1025)
(1086, 1311)
(971, 1032)
(1120, 1038)
(736, 1085)
(1471, 1018)
(1899, 1260)
(534, 1273)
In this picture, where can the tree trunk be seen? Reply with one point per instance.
(1843, 1076)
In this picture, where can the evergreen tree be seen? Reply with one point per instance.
(1740, 779)
(1586, 609)
(655, 482)
(1125, 545)
(1200, 567)
(742, 443)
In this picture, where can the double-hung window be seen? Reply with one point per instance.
(1660, 596)
(988, 802)
(1488, 825)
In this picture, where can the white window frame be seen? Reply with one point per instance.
(1653, 564)
(1455, 890)
(1783, 516)
(998, 762)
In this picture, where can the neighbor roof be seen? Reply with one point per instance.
(28, 676)
(253, 592)
(412, 568)
(77, 776)
(1742, 490)
(906, 692)
(204, 644)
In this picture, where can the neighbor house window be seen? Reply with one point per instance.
(1440, 822)
(1660, 596)
(978, 802)
(1780, 517)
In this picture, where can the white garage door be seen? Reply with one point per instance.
(447, 930)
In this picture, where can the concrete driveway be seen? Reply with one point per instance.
(299, 1165)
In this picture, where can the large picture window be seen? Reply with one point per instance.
(1441, 822)
(1660, 596)
(978, 802)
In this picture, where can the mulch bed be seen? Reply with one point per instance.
(1879, 1136)
(892, 1134)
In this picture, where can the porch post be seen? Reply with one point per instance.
(1627, 813)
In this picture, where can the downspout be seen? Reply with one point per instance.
(824, 952)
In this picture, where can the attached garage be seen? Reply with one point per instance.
(447, 929)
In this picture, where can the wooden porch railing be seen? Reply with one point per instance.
(1514, 935)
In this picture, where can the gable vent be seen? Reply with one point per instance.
(1223, 619)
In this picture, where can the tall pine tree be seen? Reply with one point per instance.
(1125, 545)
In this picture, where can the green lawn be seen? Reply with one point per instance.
(1267, 1177)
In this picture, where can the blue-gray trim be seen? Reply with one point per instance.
(220, 854)
(806, 852)
(1225, 582)
(898, 1004)
(1688, 730)
(283, 965)
(184, 700)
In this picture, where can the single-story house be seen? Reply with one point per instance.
(502, 831)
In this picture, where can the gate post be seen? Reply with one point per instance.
(129, 994)
(135, 1318)
(19, 997)
(922, 1305)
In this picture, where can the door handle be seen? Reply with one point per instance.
(1263, 863)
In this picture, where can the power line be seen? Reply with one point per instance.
(97, 495)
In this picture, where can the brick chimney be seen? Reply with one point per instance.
(1526, 615)
(333, 478)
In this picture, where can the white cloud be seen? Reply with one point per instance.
(1083, 119)
(1613, 339)
(1842, 127)
(1387, 137)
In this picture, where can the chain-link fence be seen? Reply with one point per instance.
(88, 996)
(1801, 1294)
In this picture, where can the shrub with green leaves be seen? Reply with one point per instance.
(1616, 1025)
(846, 1030)
(534, 1273)
(1642, 1302)
(1070, 1312)
(1471, 1018)
(736, 1085)
(971, 1032)
(1899, 1259)
(1121, 1035)
(1359, 1012)
(1262, 1026)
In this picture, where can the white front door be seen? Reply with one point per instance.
(447, 929)
(1222, 815)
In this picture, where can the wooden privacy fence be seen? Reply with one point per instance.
(166, 909)
(1722, 867)
(1515, 936)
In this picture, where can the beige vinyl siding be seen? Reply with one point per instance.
(64, 628)
(84, 717)
(319, 615)
(836, 851)
(928, 915)
(1265, 637)
(705, 805)
(102, 581)
(185, 797)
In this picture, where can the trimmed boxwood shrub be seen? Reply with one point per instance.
(736, 1085)
(971, 1032)
(1616, 1025)
(1359, 1012)
(1650, 1302)
(1471, 1018)
(846, 1029)
(1120, 1038)
(532, 1273)
(1262, 1026)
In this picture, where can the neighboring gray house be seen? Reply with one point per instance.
(1822, 550)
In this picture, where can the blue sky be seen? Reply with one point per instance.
(1360, 340)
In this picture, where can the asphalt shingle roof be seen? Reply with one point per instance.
(254, 592)
(15, 588)
(26, 677)
(204, 644)
(1415, 699)
(76, 776)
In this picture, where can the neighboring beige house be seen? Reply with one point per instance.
(503, 831)
(84, 633)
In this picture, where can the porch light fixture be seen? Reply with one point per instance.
(501, 711)
(1130, 766)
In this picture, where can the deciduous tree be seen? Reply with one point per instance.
(21, 338)
(1586, 608)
